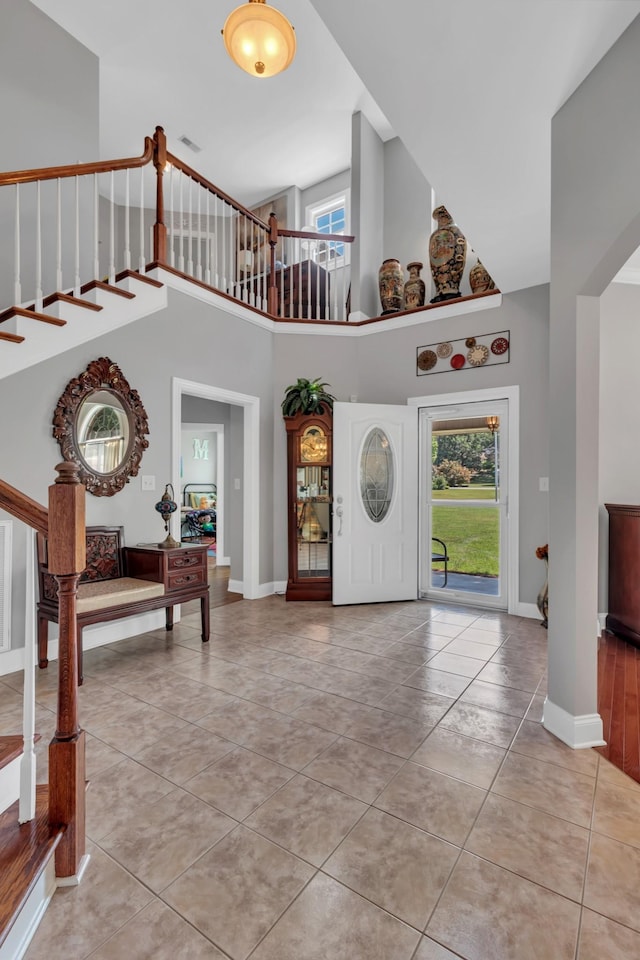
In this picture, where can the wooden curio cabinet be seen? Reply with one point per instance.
(309, 455)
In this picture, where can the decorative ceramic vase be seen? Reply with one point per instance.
(391, 284)
(414, 287)
(542, 600)
(447, 255)
(479, 279)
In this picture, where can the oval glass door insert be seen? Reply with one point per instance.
(376, 474)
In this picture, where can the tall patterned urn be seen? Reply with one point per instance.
(447, 255)
(414, 289)
(391, 285)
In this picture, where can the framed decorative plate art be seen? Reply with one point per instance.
(466, 353)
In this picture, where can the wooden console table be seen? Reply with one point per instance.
(182, 570)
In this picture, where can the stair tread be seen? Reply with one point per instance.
(24, 852)
(10, 748)
(68, 298)
(139, 276)
(11, 337)
(102, 285)
(32, 314)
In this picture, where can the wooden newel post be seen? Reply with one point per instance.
(159, 227)
(272, 289)
(67, 560)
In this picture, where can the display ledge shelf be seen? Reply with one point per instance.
(325, 328)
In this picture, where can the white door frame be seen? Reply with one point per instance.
(218, 429)
(512, 394)
(251, 469)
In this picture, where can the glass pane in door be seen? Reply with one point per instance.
(466, 504)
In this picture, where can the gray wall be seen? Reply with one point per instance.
(49, 111)
(381, 368)
(595, 226)
(189, 340)
(367, 205)
(407, 209)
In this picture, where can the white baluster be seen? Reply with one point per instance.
(181, 255)
(96, 229)
(17, 286)
(127, 222)
(172, 221)
(58, 236)
(190, 263)
(27, 804)
(199, 235)
(112, 233)
(38, 251)
(141, 260)
(225, 286)
(207, 272)
(76, 272)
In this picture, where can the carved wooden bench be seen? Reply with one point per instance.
(121, 582)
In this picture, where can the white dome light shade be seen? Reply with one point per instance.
(259, 39)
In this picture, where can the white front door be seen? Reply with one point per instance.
(375, 503)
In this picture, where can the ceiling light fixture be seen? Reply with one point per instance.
(259, 39)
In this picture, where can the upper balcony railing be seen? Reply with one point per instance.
(90, 222)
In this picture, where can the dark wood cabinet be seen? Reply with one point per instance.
(182, 570)
(309, 503)
(303, 291)
(623, 617)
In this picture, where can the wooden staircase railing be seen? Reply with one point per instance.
(64, 525)
(78, 225)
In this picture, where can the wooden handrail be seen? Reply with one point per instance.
(211, 187)
(79, 169)
(307, 235)
(22, 507)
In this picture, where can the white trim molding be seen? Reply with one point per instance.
(251, 469)
(577, 732)
(512, 395)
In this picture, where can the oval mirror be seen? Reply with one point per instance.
(101, 426)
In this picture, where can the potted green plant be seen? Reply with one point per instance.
(306, 396)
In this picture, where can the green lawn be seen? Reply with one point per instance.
(471, 533)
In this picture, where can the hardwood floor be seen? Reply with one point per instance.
(619, 702)
(219, 585)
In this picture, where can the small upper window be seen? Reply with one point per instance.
(330, 217)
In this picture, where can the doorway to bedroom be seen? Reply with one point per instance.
(229, 460)
(202, 477)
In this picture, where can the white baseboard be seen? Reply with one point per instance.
(529, 610)
(577, 732)
(12, 661)
(223, 561)
(95, 636)
(264, 589)
(602, 621)
(76, 879)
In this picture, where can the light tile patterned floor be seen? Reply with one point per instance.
(360, 783)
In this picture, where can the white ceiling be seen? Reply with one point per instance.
(469, 85)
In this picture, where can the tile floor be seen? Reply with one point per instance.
(361, 783)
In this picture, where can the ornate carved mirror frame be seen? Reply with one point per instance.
(115, 401)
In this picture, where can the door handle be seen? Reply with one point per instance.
(339, 514)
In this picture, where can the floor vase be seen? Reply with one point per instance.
(447, 256)
(391, 284)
